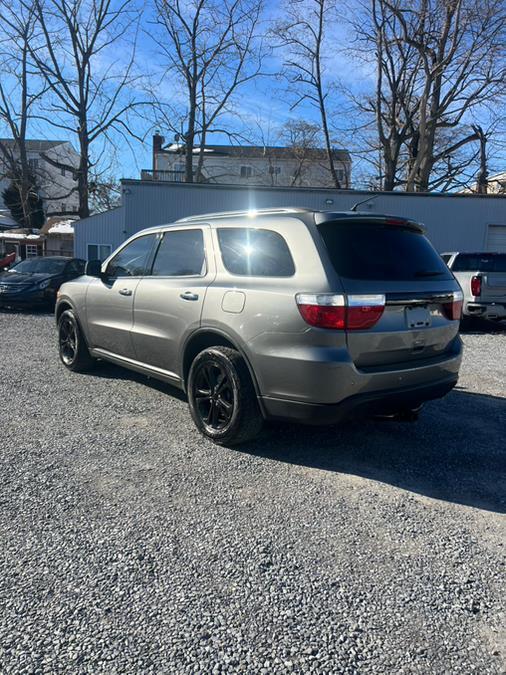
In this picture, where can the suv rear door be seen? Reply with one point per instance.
(390, 257)
(168, 300)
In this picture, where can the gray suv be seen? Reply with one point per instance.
(288, 314)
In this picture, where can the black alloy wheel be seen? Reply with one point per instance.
(222, 399)
(214, 396)
(68, 340)
(72, 347)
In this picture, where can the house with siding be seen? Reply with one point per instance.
(271, 166)
(52, 163)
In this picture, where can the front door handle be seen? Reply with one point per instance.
(188, 295)
(125, 291)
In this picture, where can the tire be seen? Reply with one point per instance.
(72, 346)
(222, 399)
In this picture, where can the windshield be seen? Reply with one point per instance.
(365, 250)
(39, 266)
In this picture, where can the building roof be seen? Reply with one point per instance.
(255, 151)
(33, 145)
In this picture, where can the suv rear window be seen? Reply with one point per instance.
(380, 251)
(258, 253)
(473, 262)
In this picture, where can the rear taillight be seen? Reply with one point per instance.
(322, 310)
(476, 286)
(453, 310)
(364, 311)
(339, 312)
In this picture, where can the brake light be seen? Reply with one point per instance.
(476, 286)
(339, 312)
(364, 311)
(453, 310)
(322, 310)
(395, 221)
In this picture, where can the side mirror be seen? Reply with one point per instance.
(93, 268)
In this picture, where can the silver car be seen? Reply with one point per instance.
(288, 314)
(482, 277)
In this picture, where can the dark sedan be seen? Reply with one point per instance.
(35, 281)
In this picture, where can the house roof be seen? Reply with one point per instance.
(33, 145)
(255, 151)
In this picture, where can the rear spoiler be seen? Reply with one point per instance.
(365, 219)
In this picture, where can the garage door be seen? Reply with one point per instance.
(496, 240)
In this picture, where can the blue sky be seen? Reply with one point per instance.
(261, 106)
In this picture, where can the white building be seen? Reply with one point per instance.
(452, 222)
(272, 166)
(50, 162)
(496, 185)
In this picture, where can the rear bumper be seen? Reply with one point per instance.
(361, 405)
(486, 309)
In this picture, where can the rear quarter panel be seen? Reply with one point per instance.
(267, 326)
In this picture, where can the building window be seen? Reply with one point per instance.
(340, 175)
(33, 164)
(246, 171)
(98, 251)
(63, 207)
(32, 251)
(62, 170)
(275, 170)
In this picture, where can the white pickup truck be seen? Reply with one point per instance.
(482, 277)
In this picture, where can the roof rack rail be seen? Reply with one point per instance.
(247, 212)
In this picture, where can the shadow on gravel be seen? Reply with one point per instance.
(109, 371)
(456, 452)
(480, 326)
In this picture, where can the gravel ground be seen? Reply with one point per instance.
(130, 544)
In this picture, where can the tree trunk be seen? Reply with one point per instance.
(82, 172)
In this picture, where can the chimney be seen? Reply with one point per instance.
(158, 141)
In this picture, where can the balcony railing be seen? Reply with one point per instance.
(163, 175)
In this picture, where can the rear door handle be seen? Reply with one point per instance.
(188, 295)
(125, 291)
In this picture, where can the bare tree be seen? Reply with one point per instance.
(209, 50)
(301, 35)
(437, 64)
(90, 95)
(20, 91)
(105, 192)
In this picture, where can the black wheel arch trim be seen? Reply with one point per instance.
(235, 345)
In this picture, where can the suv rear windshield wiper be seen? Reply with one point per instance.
(428, 273)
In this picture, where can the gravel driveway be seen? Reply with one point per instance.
(130, 544)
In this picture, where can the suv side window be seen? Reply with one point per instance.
(133, 259)
(180, 254)
(252, 252)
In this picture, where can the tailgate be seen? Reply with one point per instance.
(413, 327)
(493, 286)
(399, 263)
